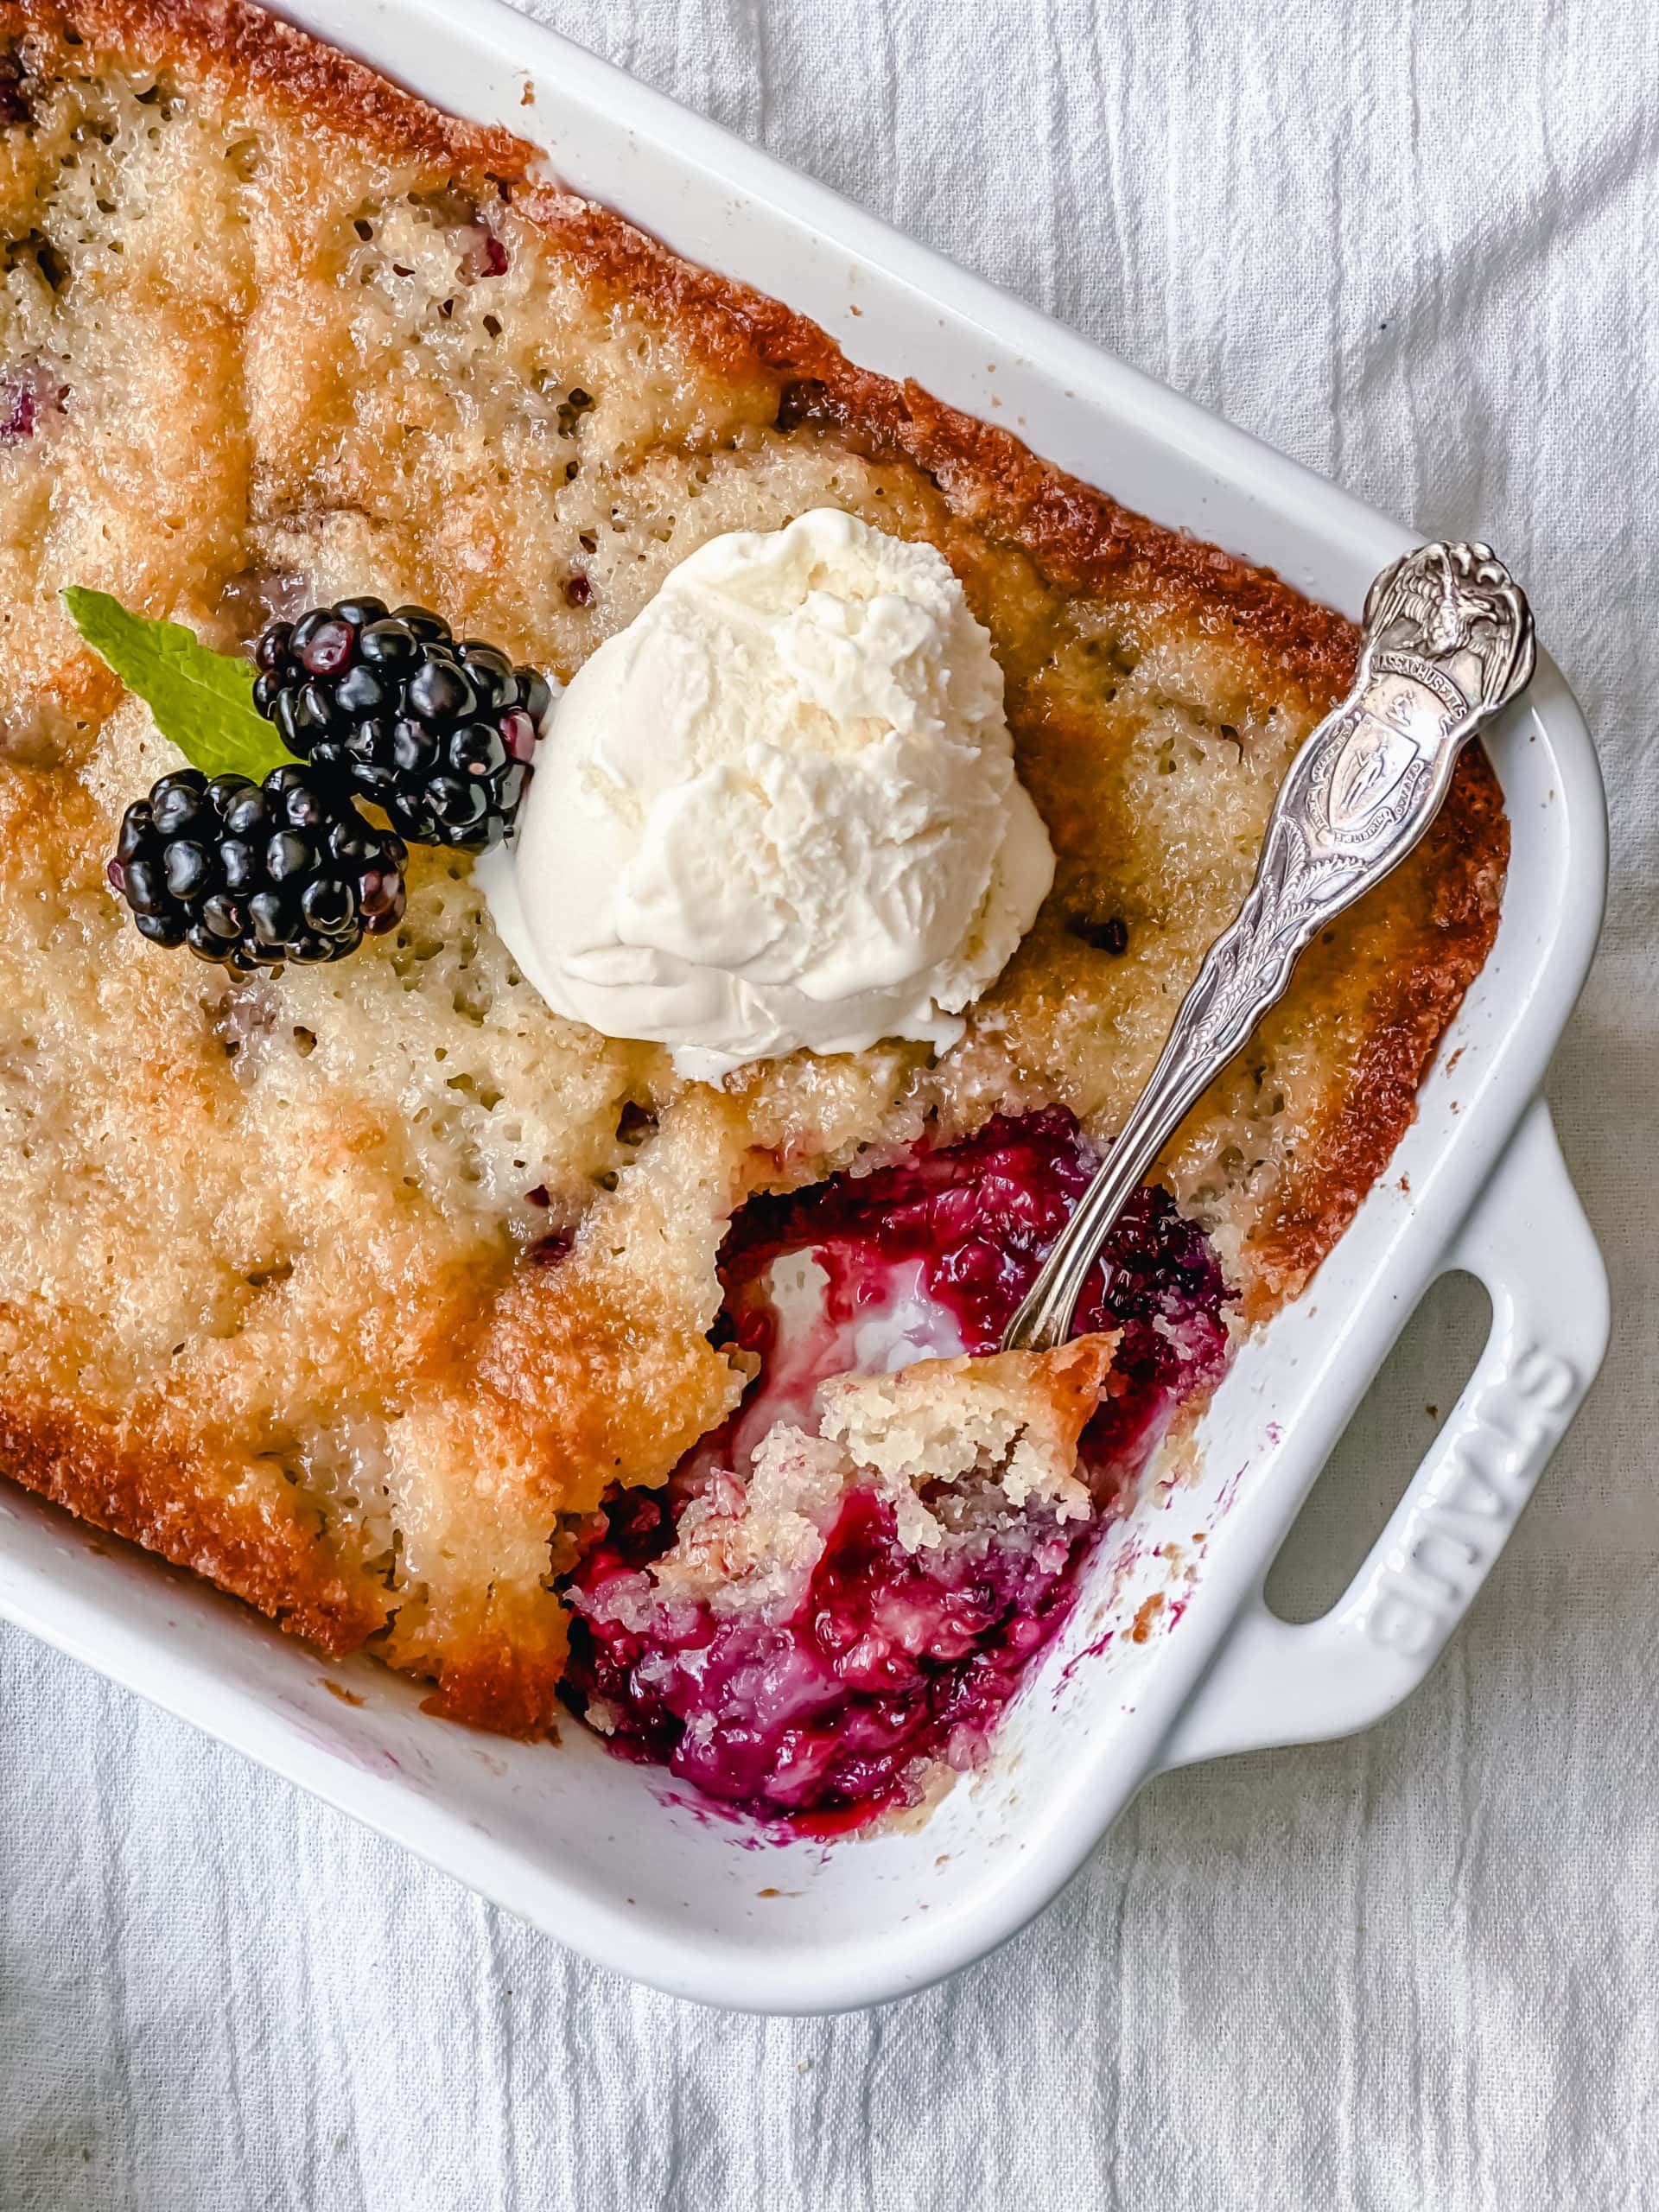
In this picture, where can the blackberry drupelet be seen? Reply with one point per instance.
(437, 731)
(253, 874)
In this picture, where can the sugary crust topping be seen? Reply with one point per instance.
(1013, 1419)
(356, 1291)
(236, 50)
(1082, 539)
(179, 1507)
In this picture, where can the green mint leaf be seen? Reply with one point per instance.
(202, 700)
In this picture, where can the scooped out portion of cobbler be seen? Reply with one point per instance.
(839, 1591)
(433, 1322)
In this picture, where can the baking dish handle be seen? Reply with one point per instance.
(1273, 1682)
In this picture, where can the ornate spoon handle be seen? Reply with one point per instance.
(1447, 644)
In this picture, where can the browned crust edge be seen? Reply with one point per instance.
(1077, 535)
(237, 47)
(502, 1688)
(155, 1499)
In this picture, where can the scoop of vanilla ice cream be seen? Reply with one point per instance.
(780, 809)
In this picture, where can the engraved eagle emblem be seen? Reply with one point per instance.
(1456, 607)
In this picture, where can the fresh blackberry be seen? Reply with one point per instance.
(438, 732)
(251, 874)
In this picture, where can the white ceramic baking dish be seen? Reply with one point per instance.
(604, 1856)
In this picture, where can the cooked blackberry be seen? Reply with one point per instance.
(437, 731)
(14, 101)
(253, 874)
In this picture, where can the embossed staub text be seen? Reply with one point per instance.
(1452, 1538)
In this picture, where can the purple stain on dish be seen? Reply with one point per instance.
(710, 1812)
(350, 1750)
(1094, 1650)
(1229, 1490)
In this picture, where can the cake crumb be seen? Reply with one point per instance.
(1144, 1619)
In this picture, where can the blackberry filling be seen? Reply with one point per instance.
(14, 101)
(891, 1658)
(19, 412)
(32, 399)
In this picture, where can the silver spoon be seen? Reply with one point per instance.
(1447, 644)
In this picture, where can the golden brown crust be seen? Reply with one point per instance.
(541, 1359)
(506, 1678)
(1081, 537)
(1078, 536)
(238, 48)
(163, 1502)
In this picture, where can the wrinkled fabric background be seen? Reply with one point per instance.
(1412, 242)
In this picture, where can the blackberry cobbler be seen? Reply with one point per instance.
(809, 1636)
(346, 1258)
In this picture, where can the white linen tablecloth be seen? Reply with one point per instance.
(1414, 243)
